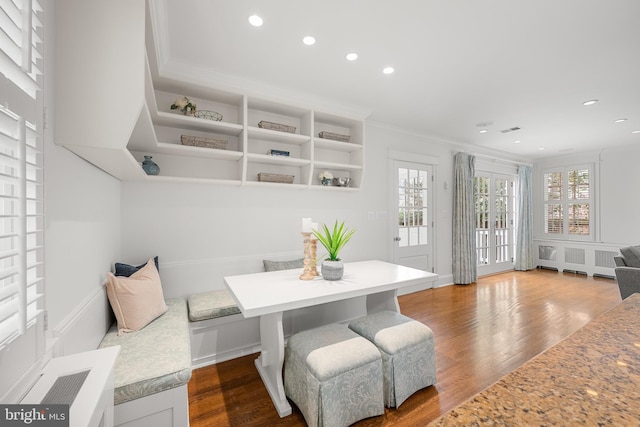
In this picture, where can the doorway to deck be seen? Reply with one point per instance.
(412, 218)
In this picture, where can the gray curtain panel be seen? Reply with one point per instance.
(525, 259)
(465, 268)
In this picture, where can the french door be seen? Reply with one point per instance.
(494, 218)
(412, 224)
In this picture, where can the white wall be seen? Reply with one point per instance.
(619, 198)
(617, 207)
(82, 203)
(203, 232)
(82, 231)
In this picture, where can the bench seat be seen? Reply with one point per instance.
(153, 359)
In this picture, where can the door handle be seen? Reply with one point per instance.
(397, 239)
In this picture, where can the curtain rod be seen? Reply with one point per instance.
(498, 158)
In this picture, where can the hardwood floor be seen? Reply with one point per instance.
(482, 332)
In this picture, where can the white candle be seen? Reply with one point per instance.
(306, 225)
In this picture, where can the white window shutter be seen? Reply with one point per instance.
(21, 162)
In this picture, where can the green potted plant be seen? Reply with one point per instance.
(333, 241)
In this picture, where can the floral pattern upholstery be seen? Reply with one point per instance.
(407, 349)
(153, 359)
(334, 376)
(209, 305)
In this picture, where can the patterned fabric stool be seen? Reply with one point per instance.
(333, 375)
(408, 353)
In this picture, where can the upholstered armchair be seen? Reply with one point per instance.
(628, 270)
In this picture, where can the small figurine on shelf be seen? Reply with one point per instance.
(185, 105)
(325, 177)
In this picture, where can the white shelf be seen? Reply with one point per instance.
(337, 166)
(158, 131)
(276, 185)
(186, 150)
(190, 122)
(277, 136)
(330, 144)
(191, 180)
(277, 160)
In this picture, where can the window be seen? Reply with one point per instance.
(567, 202)
(21, 174)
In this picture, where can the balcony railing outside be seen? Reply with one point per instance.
(503, 245)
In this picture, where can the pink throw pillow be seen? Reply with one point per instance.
(136, 300)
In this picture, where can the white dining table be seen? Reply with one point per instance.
(267, 295)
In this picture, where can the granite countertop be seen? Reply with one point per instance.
(591, 377)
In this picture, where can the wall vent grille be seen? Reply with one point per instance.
(547, 253)
(65, 389)
(605, 259)
(574, 255)
(515, 128)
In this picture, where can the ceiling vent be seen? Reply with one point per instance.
(510, 129)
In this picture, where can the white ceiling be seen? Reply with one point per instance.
(458, 63)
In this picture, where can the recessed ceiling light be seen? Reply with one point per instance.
(590, 102)
(309, 40)
(541, 148)
(388, 70)
(619, 120)
(635, 131)
(484, 131)
(352, 56)
(516, 142)
(255, 20)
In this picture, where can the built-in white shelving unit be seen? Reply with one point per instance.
(122, 140)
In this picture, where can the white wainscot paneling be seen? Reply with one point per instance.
(580, 257)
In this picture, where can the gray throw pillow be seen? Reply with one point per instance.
(283, 265)
(631, 256)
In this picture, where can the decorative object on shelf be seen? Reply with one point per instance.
(208, 115)
(199, 141)
(184, 105)
(278, 153)
(333, 241)
(325, 177)
(275, 177)
(341, 182)
(150, 167)
(308, 239)
(276, 126)
(335, 136)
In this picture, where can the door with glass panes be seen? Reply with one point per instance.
(494, 220)
(413, 223)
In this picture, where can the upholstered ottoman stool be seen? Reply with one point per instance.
(333, 375)
(407, 349)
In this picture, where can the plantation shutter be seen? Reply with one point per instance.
(21, 166)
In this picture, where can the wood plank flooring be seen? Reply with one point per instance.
(482, 332)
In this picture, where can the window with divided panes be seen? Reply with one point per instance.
(568, 201)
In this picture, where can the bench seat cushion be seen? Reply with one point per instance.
(155, 358)
(209, 305)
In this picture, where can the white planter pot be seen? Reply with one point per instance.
(332, 270)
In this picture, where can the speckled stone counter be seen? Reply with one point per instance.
(590, 378)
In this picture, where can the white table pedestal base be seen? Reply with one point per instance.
(271, 360)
